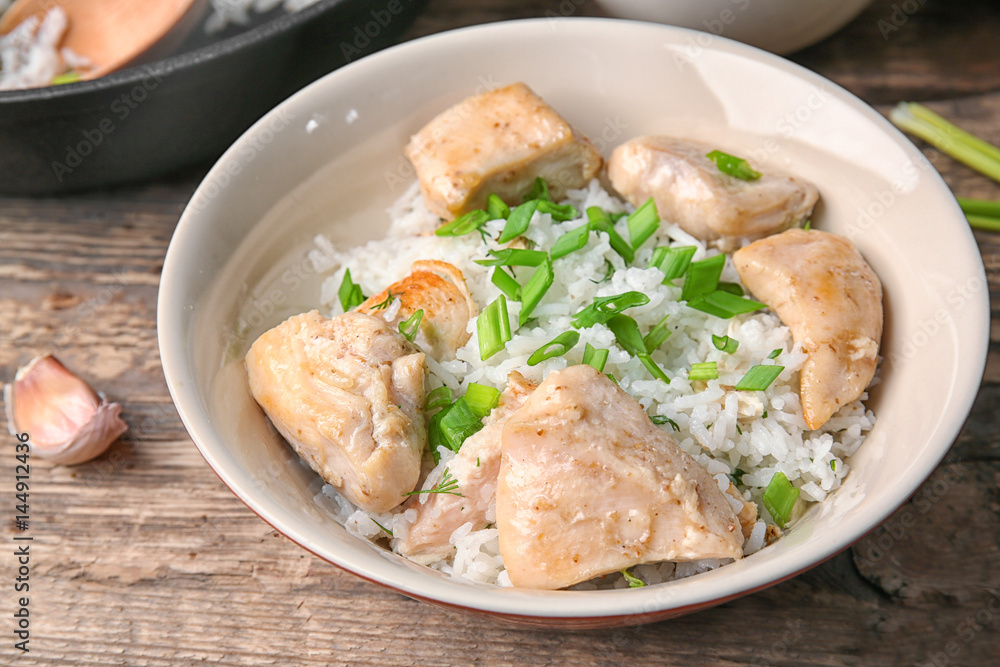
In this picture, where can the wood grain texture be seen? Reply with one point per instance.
(143, 557)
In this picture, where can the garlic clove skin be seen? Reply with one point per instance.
(66, 420)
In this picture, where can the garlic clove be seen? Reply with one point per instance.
(66, 420)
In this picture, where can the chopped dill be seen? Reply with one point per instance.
(448, 484)
(382, 305)
(383, 528)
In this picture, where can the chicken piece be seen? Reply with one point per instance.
(475, 468)
(747, 516)
(348, 395)
(691, 191)
(588, 486)
(831, 300)
(437, 288)
(498, 142)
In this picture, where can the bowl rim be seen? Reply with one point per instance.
(518, 604)
(161, 67)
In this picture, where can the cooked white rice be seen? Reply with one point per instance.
(758, 433)
(30, 55)
(239, 12)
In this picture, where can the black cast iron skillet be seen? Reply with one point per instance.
(151, 119)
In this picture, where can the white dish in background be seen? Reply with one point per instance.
(779, 26)
(329, 160)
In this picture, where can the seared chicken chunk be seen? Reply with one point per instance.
(588, 486)
(348, 395)
(691, 191)
(831, 300)
(499, 141)
(437, 288)
(475, 468)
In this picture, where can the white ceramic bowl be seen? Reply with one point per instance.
(780, 26)
(329, 160)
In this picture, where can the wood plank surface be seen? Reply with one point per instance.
(143, 557)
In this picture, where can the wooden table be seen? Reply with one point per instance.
(144, 557)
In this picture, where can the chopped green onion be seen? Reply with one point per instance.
(67, 77)
(435, 438)
(948, 138)
(633, 581)
(518, 221)
(612, 378)
(660, 420)
(626, 332)
(779, 498)
(600, 221)
(448, 484)
(774, 353)
(595, 357)
(438, 398)
(514, 257)
(707, 370)
(673, 262)
(570, 242)
(733, 166)
(725, 343)
(657, 335)
(643, 223)
(607, 273)
(731, 288)
(559, 212)
(536, 287)
(759, 378)
(561, 344)
(411, 325)
(506, 283)
(382, 527)
(605, 307)
(493, 328)
(737, 475)
(496, 208)
(539, 190)
(349, 293)
(702, 277)
(806, 227)
(458, 423)
(653, 368)
(464, 224)
(481, 398)
(723, 304)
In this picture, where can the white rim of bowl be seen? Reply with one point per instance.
(652, 600)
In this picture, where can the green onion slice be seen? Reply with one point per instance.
(539, 190)
(806, 227)
(725, 343)
(559, 212)
(349, 292)
(660, 420)
(497, 208)
(561, 344)
(643, 223)
(733, 166)
(657, 335)
(506, 283)
(948, 138)
(481, 398)
(702, 277)
(458, 423)
(779, 498)
(774, 353)
(633, 581)
(464, 224)
(605, 307)
(653, 368)
(724, 305)
(411, 325)
(518, 221)
(438, 398)
(67, 77)
(514, 257)
(536, 287)
(707, 370)
(626, 332)
(594, 357)
(731, 288)
(570, 242)
(673, 262)
(600, 221)
(435, 438)
(759, 378)
(493, 328)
